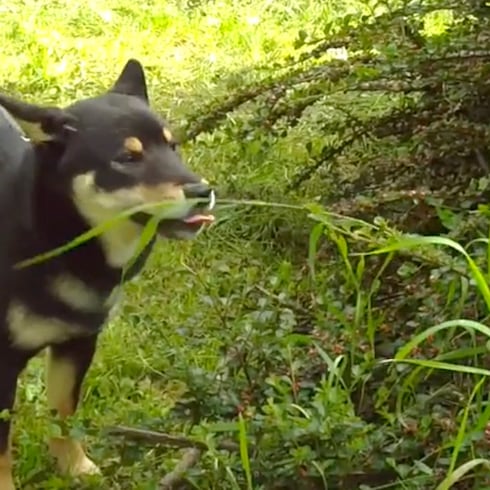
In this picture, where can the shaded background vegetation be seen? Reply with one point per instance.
(371, 118)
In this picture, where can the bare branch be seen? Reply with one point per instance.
(189, 459)
(154, 437)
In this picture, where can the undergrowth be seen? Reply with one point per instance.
(341, 340)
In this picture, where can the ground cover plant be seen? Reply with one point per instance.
(329, 331)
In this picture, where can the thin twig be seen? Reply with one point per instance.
(190, 458)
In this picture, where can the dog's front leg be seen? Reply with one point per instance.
(12, 362)
(67, 365)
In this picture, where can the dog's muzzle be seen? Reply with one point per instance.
(194, 219)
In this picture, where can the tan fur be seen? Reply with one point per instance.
(6, 479)
(167, 135)
(60, 383)
(161, 192)
(71, 457)
(31, 331)
(74, 293)
(133, 144)
(120, 240)
(102, 205)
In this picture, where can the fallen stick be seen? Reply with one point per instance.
(155, 437)
(189, 458)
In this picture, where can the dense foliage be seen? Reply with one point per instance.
(391, 111)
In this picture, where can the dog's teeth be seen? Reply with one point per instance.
(212, 201)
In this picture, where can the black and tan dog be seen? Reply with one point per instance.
(96, 159)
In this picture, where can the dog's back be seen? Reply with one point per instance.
(16, 177)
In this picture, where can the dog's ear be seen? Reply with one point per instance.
(40, 123)
(132, 81)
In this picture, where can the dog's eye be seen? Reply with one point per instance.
(125, 161)
(128, 157)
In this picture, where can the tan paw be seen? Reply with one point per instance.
(81, 467)
(71, 458)
(6, 482)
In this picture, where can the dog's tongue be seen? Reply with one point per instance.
(199, 218)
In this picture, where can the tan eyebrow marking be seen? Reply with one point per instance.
(167, 135)
(133, 144)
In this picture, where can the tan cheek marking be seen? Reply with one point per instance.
(84, 185)
(119, 242)
(133, 144)
(162, 192)
(167, 135)
(96, 205)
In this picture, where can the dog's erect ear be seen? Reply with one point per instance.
(40, 123)
(132, 81)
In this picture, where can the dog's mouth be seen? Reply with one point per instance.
(181, 228)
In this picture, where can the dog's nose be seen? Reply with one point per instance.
(198, 191)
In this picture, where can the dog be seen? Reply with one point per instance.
(78, 168)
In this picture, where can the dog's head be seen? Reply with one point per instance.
(116, 153)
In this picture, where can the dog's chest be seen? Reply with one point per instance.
(69, 299)
(31, 331)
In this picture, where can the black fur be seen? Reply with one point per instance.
(39, 212)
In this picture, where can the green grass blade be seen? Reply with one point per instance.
(244, 451)
(443, 365)
(418, 339)
(461, 471)
(458, 442)
(415, 241)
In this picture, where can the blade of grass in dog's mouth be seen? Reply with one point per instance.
(98, 230)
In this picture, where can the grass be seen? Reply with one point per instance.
(211, 340)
